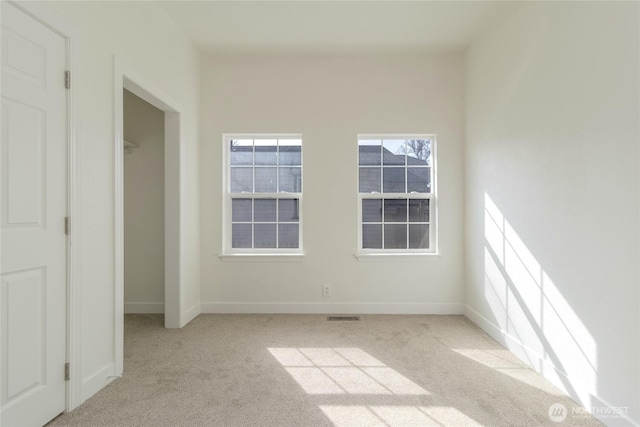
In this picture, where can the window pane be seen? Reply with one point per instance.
(258, 167)
(371, 210)
(369, 152)
(290, 180)
(265, 210)
(290, 151)
(419, 152)
(241, 151)
(266, 180)
(266, 151)
(288, 210)
(241, 235)
(394, 151)
(395, 236)
(418, 210)
(418, 179)
(395, 210)
(241, 180)
(288, 235)
(372, 236)
(393, 180)
(265, 236)
(241, 210)
(370, 180)
(419, 236)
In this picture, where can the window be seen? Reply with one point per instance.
(396, 197)
(263, 194)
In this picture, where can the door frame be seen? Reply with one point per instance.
(51, 20)
(126, 77)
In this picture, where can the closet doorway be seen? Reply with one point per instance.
(126, 78)
(144, 201)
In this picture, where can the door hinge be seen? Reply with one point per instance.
(67, 79)
(67, 225)
(67, 372)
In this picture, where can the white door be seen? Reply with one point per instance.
(33, 261)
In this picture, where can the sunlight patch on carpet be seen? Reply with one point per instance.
(343, 370)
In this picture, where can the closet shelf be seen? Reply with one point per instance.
(130, 146)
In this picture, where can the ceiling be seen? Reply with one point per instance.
(330, 26)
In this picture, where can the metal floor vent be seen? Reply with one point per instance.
(339, 318)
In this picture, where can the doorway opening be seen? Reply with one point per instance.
(128, 84)
(143, 183)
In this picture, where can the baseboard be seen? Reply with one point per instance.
(144, 307)
(331, 308)
(527, 355)
(606, 409)
(545, 368)
(97, 381)
(190, 314)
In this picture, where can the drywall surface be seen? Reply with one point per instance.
(143, 207)
(330, 100)
(552, 206)
(162, 55)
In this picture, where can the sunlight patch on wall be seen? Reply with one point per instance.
(495, 290)
(528, 305)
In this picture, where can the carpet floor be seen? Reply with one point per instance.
(302, 370)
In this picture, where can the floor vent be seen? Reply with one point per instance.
(340, 318)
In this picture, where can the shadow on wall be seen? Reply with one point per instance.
(528, 306)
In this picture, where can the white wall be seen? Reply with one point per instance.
(330, 99)
(162, 55)
(143, 207)
(552, 206)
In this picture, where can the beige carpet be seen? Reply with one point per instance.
(302, 370)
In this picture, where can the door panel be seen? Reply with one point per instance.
(33, 259)
(25, 353)
(24, 176)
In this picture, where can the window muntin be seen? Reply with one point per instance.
(264, 194)
(395, 194)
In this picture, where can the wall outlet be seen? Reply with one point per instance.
(326, 291)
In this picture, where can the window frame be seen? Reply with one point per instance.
(227, 215)
(404, 253)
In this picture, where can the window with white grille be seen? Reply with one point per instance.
(263, 194)
(396, 197)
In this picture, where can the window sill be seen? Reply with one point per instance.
(398, 257)
(262, 257)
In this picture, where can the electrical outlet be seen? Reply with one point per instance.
(326, 291)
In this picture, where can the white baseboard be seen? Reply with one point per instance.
(604, 407)
(190, 314)
(97, 381)
(548, 370)
(527, 355)
(331, 308)
(144, 307)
